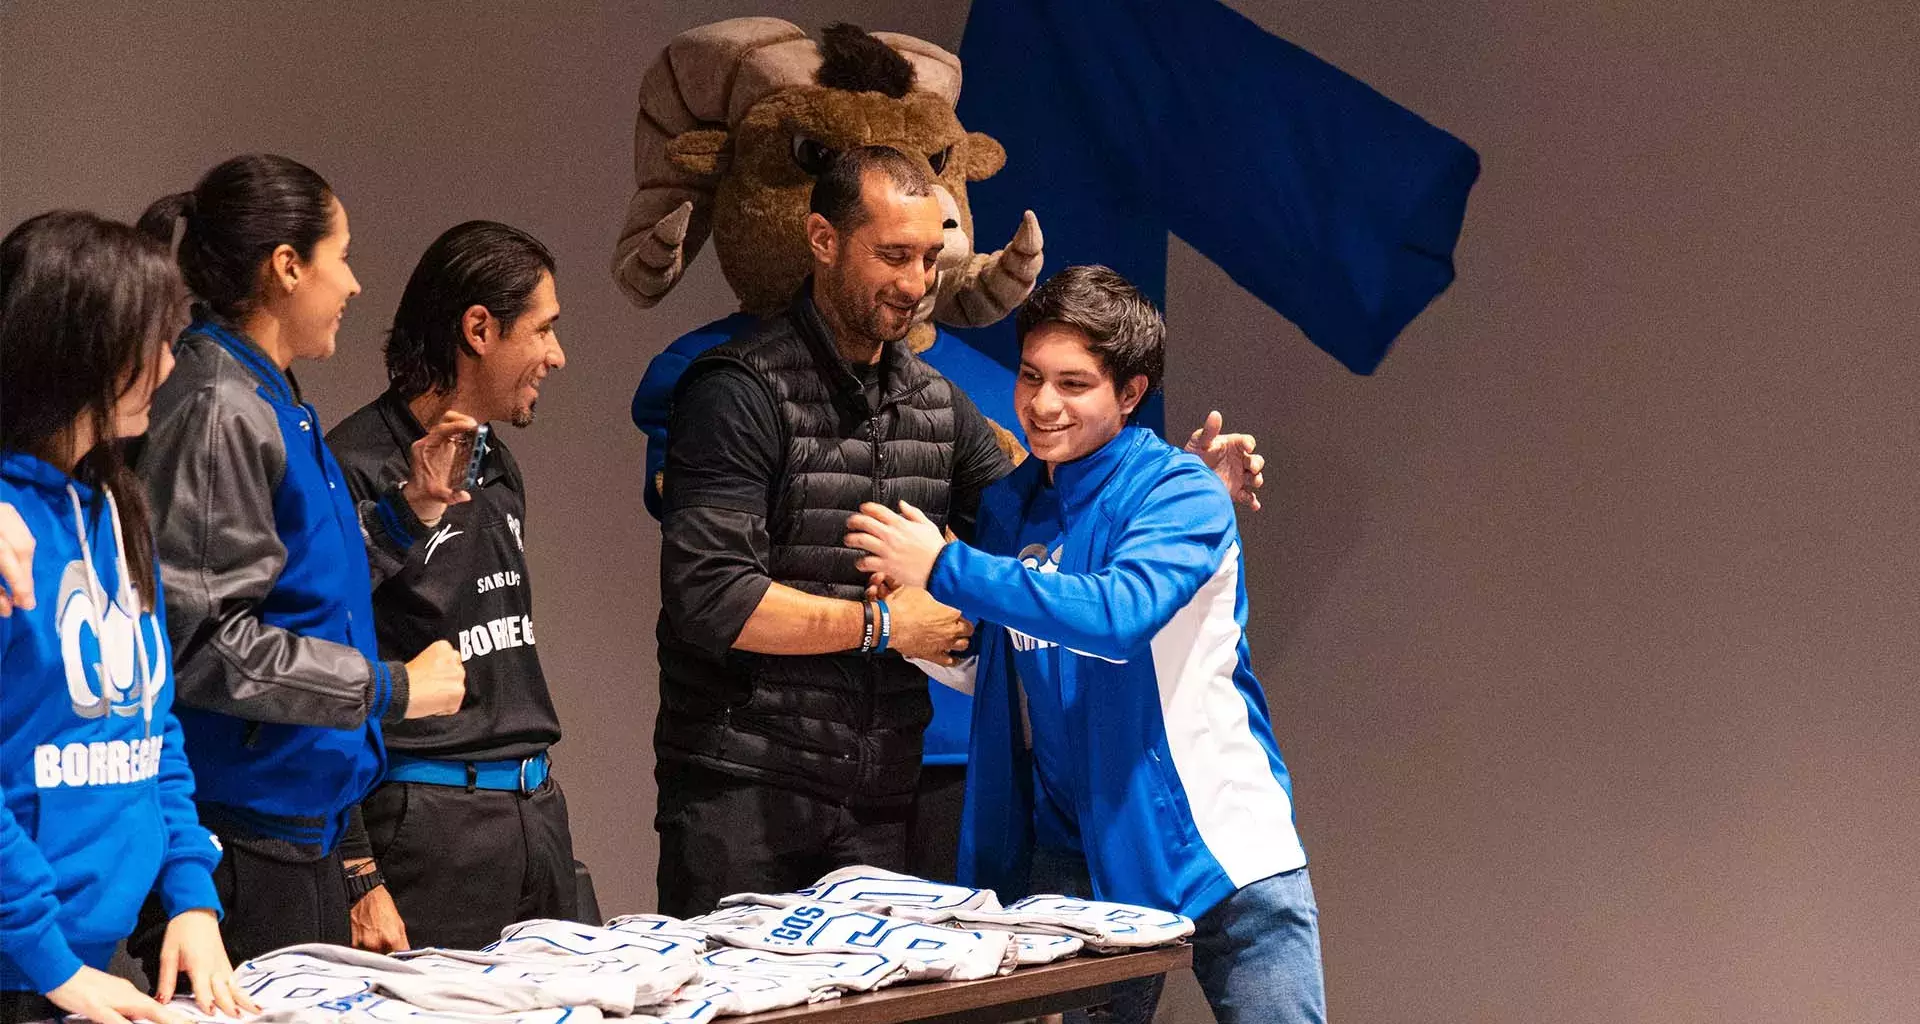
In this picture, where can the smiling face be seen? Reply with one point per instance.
(322, 286)
(760, 205)
(1067, 401)
(880, 270)
(510, 373)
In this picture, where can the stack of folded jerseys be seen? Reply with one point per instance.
(855, 930)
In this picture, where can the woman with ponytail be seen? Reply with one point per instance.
(267, 559)
(98, 796)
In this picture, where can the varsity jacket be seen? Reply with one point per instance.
(1147, 709)
(98, 808)
(268, 561)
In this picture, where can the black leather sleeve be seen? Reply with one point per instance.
(212, 458)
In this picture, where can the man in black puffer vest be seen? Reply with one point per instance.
(788, 740)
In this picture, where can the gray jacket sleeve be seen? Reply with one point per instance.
(211, 461)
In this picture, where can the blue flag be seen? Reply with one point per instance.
(1124, 120)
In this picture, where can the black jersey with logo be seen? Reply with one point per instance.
(467, 584)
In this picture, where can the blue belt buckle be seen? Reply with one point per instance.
(527, 774)
(533, 765)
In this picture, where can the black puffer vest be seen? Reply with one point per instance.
(844, 726)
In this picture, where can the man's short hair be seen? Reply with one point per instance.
(836, 191)
(1123, 329)
(479, 263)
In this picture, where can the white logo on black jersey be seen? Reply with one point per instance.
(446, 533)
(513, 523)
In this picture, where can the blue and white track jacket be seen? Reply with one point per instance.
(1176, 783)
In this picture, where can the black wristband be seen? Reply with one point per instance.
(358, 886)
(867, 628)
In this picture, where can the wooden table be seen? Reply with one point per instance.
(1028, 992)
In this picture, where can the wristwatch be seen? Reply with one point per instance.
(358, 886)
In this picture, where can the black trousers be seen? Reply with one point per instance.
(721, 834)
(269, 904)
(933, 846)
(463, 865)
(21, 1007)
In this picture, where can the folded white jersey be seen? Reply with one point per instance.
(1045, 949)
(931, 952)
(1106, 927)
(318, 982)
(882, 891)
(609, 981)
(657, 924)
(372, 1008)
(734, 995)
(543, 937)
(841, 972)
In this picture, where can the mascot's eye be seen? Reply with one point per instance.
(939, 160)
(812, 157)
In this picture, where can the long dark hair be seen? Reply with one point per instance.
(238, 214)
(85, 303)
(479, 263)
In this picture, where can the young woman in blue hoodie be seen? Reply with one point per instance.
(98, 796)
(1120, 736)
(268, 559)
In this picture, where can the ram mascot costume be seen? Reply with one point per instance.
(735, 118)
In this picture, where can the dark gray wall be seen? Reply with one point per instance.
(1587, 622)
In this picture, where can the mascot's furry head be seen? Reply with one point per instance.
(736, 116)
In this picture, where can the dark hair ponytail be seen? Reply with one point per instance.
(160, 218)
(236, 216)
(85, 304)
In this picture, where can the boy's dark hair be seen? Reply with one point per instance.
(1122, 327)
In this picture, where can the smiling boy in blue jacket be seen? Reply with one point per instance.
(1117, 718)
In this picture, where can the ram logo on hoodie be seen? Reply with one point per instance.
(103, 677)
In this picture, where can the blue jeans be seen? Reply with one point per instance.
(1256, 954)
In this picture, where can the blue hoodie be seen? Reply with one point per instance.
(99, 800)
(1112, 622)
